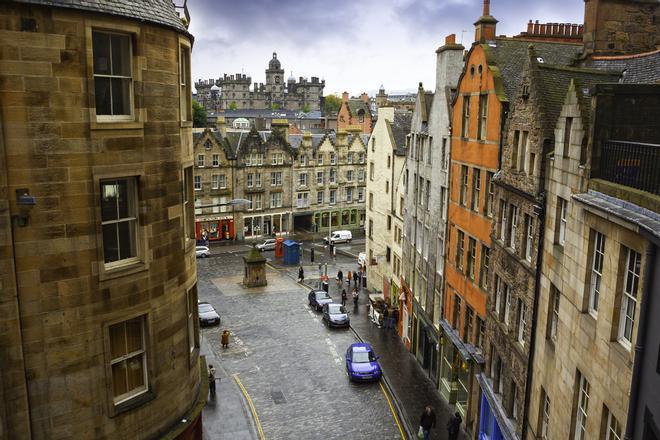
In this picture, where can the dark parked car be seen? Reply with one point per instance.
(362, 363)
(207, 314)
(317, 298)
(335, 315)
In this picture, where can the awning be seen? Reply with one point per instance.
(505, 424)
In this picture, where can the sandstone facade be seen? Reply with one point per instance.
(97, 272)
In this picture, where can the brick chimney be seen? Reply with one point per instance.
(344, 97)
(485, 27)
(364, 97)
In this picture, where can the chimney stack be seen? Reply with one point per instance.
(220, 123)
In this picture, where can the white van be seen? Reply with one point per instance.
(339, 237)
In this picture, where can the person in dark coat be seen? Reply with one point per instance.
(301, 274)
(454, 426)
(427, 421)
(343, 297)
(212, 380)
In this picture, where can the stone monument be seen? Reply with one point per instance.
(255, 268)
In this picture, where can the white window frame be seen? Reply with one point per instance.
(613, 427)
(529, 237)
(215, 181)
(499, 290)
(333, 196)
(562, 210)
(302, 179)
(507, 305)
(319, 197)
(131, 98)
(581, 409)
(333, 159)
(216, 160)
(200, 160)
(513, 231)
(545, 418)
(629, 297)
(126, 357)
(522, 321)
(598, 250)
(131, 219)
(320, 177)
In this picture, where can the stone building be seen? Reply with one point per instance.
(603, 199)
(355, 113)
(620, 27)
(425, 208)
(490, 78)
(98, 320)
(386, 154)
(518, 200)
(398, 102)
(233, 91)
(295, 183)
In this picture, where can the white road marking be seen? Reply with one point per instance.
(333, 351)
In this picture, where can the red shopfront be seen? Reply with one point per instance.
(214, 229)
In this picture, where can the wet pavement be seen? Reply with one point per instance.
(289, 363)
(292, 365)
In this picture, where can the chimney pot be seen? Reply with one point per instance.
(450, 39)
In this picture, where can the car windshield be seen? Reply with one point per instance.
(322, 295)
(205, 308)
(361, 357)
(336, 309)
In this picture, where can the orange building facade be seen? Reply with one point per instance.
(355, 113)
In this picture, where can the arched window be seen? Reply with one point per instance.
(360, 116)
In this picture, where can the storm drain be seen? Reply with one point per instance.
(278, 396)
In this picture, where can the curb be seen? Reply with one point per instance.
(399, 408)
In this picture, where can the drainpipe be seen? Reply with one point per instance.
(651, 255)
(535, 312)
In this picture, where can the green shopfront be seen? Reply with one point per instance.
(349, 218)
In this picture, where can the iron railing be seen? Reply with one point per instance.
(632, 164)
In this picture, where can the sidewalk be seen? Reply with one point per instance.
(225, 416)
(409, 384)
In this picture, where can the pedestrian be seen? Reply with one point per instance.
(349, 276)
(301, 274)
(340, 276)
(355, 278)
(395, 318)
(355, 298)
(426, 422)
(343, 297)
(386, 317)
(225, 339)
(311, 255)
(212, 380)
(454, 426)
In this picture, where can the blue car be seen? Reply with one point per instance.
(362, 363)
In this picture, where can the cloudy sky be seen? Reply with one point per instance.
(354, 45)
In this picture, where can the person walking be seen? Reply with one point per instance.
(343, 297)
(395, 318)
(427, 421)
(349, 276)
(355, 297)
(386, 317)
(340, 276)
(212, 380)
(301, 274)
(454, 426)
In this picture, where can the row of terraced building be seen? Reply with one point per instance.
(530, 194)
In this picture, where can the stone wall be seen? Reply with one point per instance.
(621, 26)
(68, 296)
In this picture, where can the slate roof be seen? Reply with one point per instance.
(642, 217)
(399, 129)
(355, 105)
(510, 55)
(554, 82)
(639, 68)
(155, 11)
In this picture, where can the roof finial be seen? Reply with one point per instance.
(486, 8)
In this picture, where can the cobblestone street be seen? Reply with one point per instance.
(290, 364)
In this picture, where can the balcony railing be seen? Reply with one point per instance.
(632, 164)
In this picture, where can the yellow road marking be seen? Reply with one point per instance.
(251, 405)
(389, 402)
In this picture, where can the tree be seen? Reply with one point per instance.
(331, 104)
(233, 105)
(305, 108)
(274, 106)
(199, 115)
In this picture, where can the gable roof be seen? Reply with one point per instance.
(398, 130)
(638, 68)
(553, 83)
(155, 11)
(355, 105)
(507, 56)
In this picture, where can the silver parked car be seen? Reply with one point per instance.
(268, 245)
(335, 315)
(207, 314)
(202, 251)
